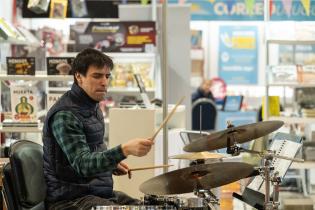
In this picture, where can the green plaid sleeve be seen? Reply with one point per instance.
(68, 131)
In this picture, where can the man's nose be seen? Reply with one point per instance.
(105, 80)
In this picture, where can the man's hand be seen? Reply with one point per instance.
(122, 169)
(137, 147)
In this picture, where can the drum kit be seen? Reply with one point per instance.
(161, 192)
(200, 177)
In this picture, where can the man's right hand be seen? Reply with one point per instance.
(137, 147)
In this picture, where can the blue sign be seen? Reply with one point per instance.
(237, 10)
(238, 54)
(297, 12)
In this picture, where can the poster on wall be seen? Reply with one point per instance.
(238, 55)
(114, 36)
(250, 10)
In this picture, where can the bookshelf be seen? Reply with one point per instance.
(270, 47)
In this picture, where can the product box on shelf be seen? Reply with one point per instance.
(59, 65)
(21, 65)
(122, 75)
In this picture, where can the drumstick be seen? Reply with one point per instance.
(149, 167)
(145, 168)
(167, 118)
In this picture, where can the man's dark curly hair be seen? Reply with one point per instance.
(90, 57)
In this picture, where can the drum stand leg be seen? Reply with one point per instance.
(209, 198)
(275, 180)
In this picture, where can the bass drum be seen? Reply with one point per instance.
(142, 207)
(179, 203)
(192, 203)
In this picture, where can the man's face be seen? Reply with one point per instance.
(95, 82)
(206, 86)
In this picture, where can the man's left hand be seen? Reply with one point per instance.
(122, 169)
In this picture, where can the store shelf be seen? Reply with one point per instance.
(196, 54)
(58, 89)
(127, 89)
(290, 85)
(19, 42)
(120, 56)
(41, 77)
(21, 129)
(291, 120)
(304, 165)
(291, 42)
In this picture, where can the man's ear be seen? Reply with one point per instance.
(78, 77)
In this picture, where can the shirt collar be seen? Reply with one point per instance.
(83, 96)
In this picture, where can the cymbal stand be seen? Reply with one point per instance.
(209, 198)
(275, 180)
(231, 147)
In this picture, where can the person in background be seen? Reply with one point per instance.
(78, 167)
(203, 91)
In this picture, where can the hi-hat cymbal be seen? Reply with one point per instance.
(238, 134)
(203, 176)
(198, 156)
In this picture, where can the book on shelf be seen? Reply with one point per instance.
(29, 36)
(9, 32)
(307, 74)
(283, 74)
(21, 65)
(23, 104)
(59, 65)
(273, 106)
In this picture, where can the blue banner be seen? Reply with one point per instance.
(238, 54)
(237, 10)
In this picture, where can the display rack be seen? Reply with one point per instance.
(285, 84)
(42, 76)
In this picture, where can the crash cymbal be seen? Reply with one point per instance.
(203, 176)
(239, 134)
(198, 156)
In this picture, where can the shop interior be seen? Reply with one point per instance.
(245, 142)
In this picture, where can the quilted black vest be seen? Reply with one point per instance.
(63, 182)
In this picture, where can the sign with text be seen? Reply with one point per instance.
(249, 11)
(115, 36)
(238, 54)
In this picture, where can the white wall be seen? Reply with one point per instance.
(178, 47)
(6, 9)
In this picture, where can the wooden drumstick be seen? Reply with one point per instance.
(167, 118)
(146, 168)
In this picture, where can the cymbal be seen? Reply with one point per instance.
(238, 134)
(202, 176)
(198, 156)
